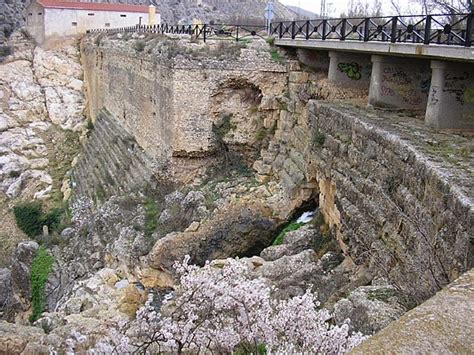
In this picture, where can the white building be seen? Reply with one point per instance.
(47, 19)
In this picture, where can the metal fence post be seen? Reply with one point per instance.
(293, 34)
(343, 29)
(393, 35)
(469, 28)
(307, 29)
(204, 29)
(366, 29)
(325, 23)
(427, 37)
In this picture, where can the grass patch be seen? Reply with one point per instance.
(151, 216)
(40, 268)
(276, 57)
(30, 218)
(289, 228)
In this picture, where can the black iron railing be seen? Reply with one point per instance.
(431, 29)
(202, 31)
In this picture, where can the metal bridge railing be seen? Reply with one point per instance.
(202, 31)
(430, 29)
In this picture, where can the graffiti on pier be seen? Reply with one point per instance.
(352, 70)
(425, 85)
(456, 86)
(386, 91)
(434, 95)
(395, 75)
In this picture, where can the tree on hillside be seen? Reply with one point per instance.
(225, 309)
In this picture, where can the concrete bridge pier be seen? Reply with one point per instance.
(350, 70)
(399, 83)
(451, 98)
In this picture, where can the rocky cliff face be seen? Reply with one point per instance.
(217, 11)
(11, 17)
(41, 115)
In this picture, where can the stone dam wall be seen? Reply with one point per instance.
(398, 209)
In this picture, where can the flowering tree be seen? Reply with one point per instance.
(222, 309)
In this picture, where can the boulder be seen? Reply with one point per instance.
(235, 230)
(6, 292)
(369, 308)
(20, 269)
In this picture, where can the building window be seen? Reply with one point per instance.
(30, 14)
(123, 15)
(40, 13)
(107, 24)
(74, 23)
(90, 14)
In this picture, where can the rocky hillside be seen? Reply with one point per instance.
(41, 117)
(11, 18)
(218, 11)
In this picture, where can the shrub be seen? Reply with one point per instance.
(289, 228)
(276, 57)
(90, 125)
(5, 51)
(319, 138)
(151, 215)
(139, 46)
(30, 218)
(40, 268)
(271, 41)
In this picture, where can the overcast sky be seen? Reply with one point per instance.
(336, 7)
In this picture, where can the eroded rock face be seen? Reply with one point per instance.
(233, 231)
(370, 308)
(39, 89)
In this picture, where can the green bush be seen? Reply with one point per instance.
(139, 46)
(151, 216)
(30, 218)
(289, 228)
(40, 268)
(276, 57)
(319, 138)
(5, 51)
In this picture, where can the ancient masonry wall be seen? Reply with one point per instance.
(393, 205)
(169, 103)
(111, 162)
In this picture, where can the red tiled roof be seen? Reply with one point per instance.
(97, 6)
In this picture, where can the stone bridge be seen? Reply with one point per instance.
(421, 63)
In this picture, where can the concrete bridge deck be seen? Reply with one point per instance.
(431, 51)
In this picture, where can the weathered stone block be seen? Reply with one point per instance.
(298, 77)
